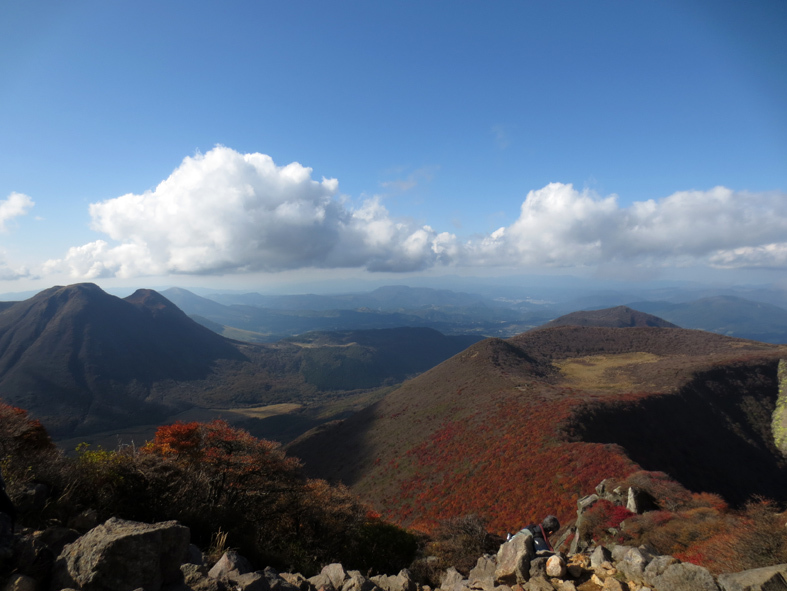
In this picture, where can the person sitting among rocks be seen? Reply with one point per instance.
(542, 531)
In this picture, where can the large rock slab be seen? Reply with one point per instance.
(685, 576)
(513, 559)
(122, 555)
(769, 578)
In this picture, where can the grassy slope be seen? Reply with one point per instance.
(490, 430)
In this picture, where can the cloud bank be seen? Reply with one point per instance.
(226, 212)
(560, 226)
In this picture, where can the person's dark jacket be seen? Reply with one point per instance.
(540, 538)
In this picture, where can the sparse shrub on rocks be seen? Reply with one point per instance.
(459, 541)
(212, 478)
(602, 517)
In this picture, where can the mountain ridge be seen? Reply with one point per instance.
(500, 417)
(85, 361)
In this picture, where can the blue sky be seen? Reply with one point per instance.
(247, 143)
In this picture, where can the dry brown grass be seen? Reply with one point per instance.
(603, 372)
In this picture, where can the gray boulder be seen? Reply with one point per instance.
(336, 574)
(685, 576)
(639, 501)
(634, 563)
(769, 578)
(538, 567)
(195, 578)
(122, 556)
(229, 566)
(556, 567)
(254, 581)
(35, 552)
(298, 581)
(357, 582)
(583, 504)
(483, 574)
(277, 582)
(657, 567)
(321, 581)
(452, 579)
(619, 552)
(401, 582)
(600, 554)
(538, 583)
(513, 559)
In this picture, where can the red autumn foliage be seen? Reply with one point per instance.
(516, 476)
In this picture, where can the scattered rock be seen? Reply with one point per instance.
(538, 583)
(357, 582)
(556, 567)
(302, 583)
(195, 578)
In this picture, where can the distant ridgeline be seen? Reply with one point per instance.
(83, 361)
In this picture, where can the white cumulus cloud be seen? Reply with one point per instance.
(560, 226)
(17, 204)
(226, 212)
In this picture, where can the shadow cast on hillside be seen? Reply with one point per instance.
(714, 435)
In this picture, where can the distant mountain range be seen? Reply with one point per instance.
(254, 317)
(258, 318)
(729, 315)
(83, 361)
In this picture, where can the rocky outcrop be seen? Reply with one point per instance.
(779, 419)
(123, 555)
(126, 556)
(769, 578)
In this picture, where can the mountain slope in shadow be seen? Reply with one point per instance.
(73, 352)
(83, 361)
(519, 428)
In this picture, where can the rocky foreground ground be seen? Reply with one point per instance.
(121, 555)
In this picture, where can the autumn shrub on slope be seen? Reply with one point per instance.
(212, 478)
(694, 527)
